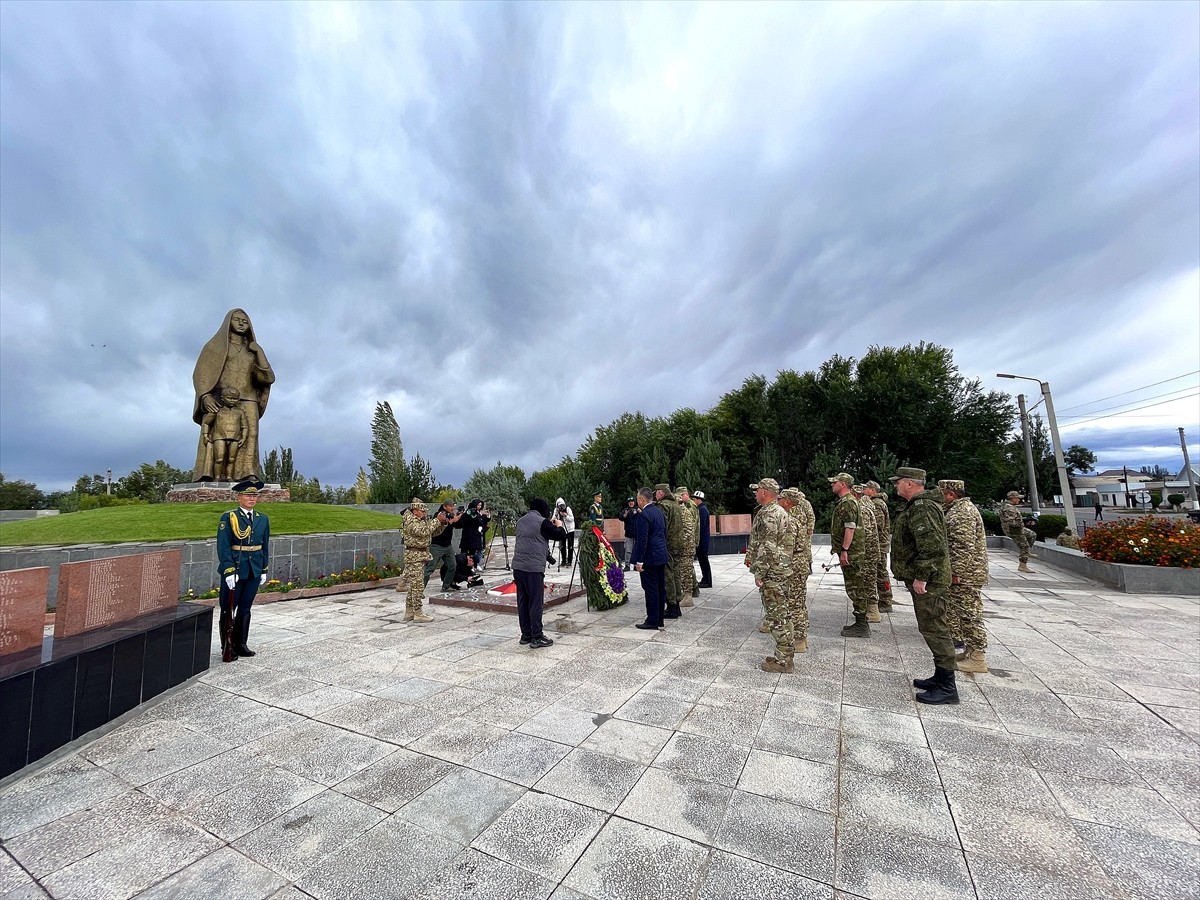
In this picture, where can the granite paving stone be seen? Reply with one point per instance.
(1002, 879)
(520, 835)
(396, 779)
(15, 882)
(320, 752)
(779, 834)
(676, 804)
(800, 781)
(393, 859)
(703, 758)
(292, 843)
(653, 709)
(873, 862)
(1121, 806)
(904, 762)
(61, 788)
(560, 723)
(895, 805)
(591, 779)
(218, 874)
(458, 740)
(730, 877)
(519, 757)
(476, 876)
(1145, 866)
(461, 805)
(628, 861)
(628, 740)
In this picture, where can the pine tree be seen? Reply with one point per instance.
(388, 475)
(703, 466)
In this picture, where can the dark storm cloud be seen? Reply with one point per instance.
(515, 222)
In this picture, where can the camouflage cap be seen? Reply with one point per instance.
(953, 484)
(908, 472)
(417, 504)
(873, 485)
(766, 484)
(857, 488)
(1014, 495)
(792, 494)
(844, 477)
(681, 490)
(663, 487)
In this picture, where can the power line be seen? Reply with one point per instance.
(1134, 391)
(1119, 405)
(1135, 409)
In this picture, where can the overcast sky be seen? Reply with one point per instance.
(516, 222)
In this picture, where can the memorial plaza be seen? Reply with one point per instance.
(360, 757)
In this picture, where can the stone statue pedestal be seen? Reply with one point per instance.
(222, 491)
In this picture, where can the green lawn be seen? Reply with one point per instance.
(182, 521)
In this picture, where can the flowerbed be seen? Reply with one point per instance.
(371, 570)
(1147, 541)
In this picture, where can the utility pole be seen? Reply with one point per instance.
(1187, 465)
(1031, 471)
(1125, 469)
(1064, 483)
(108, 488)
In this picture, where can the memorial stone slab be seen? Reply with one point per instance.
(734, 524)
(102, 592)
(23, 594)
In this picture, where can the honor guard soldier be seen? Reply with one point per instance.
(243, 553)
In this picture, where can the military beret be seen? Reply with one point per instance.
(251, 485)
(953, 484)
(844, 477)
(766, 484)
(908, 472)
(792, 494)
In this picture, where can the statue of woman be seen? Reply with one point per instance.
(233, 360)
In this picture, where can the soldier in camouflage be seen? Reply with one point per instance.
(690, 516)
(967, 541)
(921, 559)
(870, 527)
(848, 542)
(793, 502)
(418, 529)
(1014, 527)
(883, 523)
(770, 556)
(675, 546)
(1067, 539)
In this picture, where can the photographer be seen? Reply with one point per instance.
(566, 546)
(441, 553)
(474, 525)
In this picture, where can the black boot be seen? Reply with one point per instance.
(860, 628)
(672, 611)
(242, 634)
(925, 684)
(943, 691)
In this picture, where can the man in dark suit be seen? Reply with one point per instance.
(705, 538)
(243, 553)
(650, 557)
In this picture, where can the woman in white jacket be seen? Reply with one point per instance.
(566, 549)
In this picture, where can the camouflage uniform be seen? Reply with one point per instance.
(883, 523)
(967, 543)
(801, 567)
(860, 582)
(1014, 527)
(1067, 539)
(675, 541)
(690, 517)
(417, 534)
(771, 551)
(920, 553)
(870, 527)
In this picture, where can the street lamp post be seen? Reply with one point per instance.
(1064, 482)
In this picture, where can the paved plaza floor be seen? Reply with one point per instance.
(359, 757)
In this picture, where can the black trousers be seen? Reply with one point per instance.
(705, 568)
(531, 592)
(566, 549)
(240, 598)
(654, 583)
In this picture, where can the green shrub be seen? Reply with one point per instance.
(991, 522)
(1048, 527)
(1176, 500)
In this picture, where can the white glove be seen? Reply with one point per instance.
(230, 581)
(262, 580)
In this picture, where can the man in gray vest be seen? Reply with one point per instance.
(535, 531)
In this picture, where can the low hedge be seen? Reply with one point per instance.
(1048, 527)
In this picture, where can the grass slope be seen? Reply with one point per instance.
(182, 521)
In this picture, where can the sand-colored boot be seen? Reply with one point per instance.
(961, 655)
(1024, 567)
(975, 662)
(872, 612)
(771, 664)
(764, 628)
(686, 601)
(802, 645)
(421, 618)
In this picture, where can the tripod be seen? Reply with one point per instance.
(502, 519)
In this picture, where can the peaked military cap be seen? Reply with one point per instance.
(681, 490)
(663, 487)
(844, 477)
(251, 485)
(953, 484)
(417, 504)
(766, 484)
(792, 494)
(873, 485)
(1014, 494)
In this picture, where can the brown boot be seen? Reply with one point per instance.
(1023, 567)
(421, 617)
(872, 612)
(764, 628)
(771, 664)
(975, 661)
(686, 601)
(408, 616)
(802, 645)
